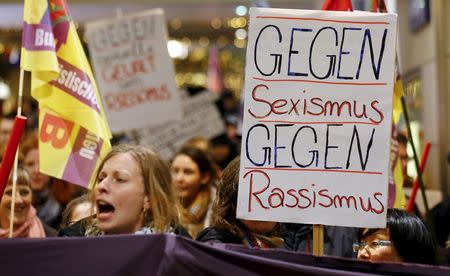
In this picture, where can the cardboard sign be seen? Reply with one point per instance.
(317, 117)
(201, 118)
(134, 71)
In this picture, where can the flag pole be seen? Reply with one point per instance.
(423, 162)
(16, 159)
(416, 158)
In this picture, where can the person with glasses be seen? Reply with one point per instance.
(405, 239)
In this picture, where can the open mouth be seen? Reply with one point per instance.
(104, 207)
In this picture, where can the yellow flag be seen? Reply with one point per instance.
(73, 131)
(400, 200)
(397, 100)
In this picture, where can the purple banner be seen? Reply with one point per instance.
(174, 255)
(84, 156)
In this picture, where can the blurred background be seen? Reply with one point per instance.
(213, 33)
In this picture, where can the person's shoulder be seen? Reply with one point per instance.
(339, 240)
(216, 234)
(78, 229)
(296, 235)
(49, 231)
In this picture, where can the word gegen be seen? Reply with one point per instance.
(119, 33)
(336, 56)
(304, 142)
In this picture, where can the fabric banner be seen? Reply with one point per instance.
(396, 194)
(167, 254)
(74, 134)
(317, 117)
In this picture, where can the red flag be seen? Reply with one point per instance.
(378, 6)
(337, 5)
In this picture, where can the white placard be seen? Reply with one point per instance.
(201, 118)
(133, 70)
(317, 117)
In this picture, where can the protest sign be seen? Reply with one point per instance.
(134, 71)
(201, 118)
(317, 117)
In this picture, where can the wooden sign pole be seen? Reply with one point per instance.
(333, 5)
(318, 239)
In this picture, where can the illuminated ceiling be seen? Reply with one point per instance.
(186, 10)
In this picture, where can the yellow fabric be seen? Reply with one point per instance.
(63, 84)
(400, 201)
(397, 109)
(38, 60)
(397, 101)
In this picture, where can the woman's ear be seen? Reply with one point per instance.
(206, 177)
(147, 203)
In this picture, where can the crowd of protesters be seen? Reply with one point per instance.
(193, 195)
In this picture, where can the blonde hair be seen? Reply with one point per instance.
(157, 184)
(23, 178)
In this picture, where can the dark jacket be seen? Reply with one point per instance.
(49, 232)
(78, 229)
(74, 230)
(220, 235)
(338, 240)
(440, 218)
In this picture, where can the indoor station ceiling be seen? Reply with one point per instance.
(184, 10)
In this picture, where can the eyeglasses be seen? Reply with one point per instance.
(357, 246)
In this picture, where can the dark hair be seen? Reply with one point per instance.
(9, 116)
(67, 213)
(410, 237)
(224, 141)
(402, 139)
(200, 158)
(225, 204)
